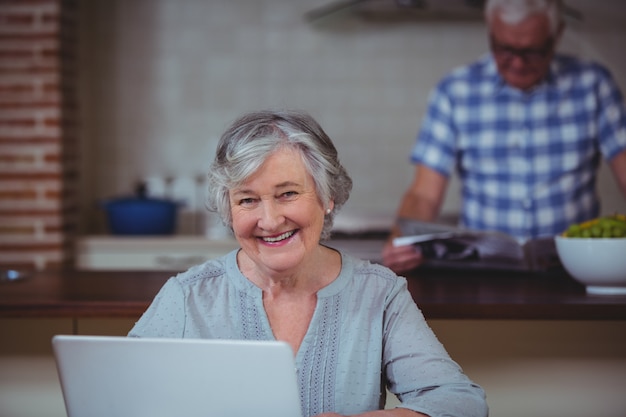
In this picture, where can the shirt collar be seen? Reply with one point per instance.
(499, 84)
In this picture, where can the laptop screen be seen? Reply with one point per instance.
(149, 377)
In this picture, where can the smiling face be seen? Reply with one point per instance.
(277, 217)
(523, 51)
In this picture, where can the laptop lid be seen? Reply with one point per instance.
(150, 377)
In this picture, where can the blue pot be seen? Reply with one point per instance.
(141, 216)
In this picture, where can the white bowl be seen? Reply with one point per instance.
(597, 263)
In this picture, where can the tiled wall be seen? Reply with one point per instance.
(38, 135)
(165, 77)
(161, 79)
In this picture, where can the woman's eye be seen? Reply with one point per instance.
(289, 194)
(246, 201)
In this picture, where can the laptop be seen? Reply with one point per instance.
(151, 377)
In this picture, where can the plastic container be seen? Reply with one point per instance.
(141, 216)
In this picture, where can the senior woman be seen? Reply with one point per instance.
(354, 328)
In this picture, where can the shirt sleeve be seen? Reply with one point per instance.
(435, 146)
(611, 115)
(419, 370)
(165, 317)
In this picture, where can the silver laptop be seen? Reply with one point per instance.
(149, 377)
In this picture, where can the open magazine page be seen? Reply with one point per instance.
(450, 246)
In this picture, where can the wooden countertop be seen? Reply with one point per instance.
(441, 294)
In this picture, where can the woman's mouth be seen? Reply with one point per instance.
(281, 237)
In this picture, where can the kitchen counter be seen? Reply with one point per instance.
(441, 294)
(533, 342)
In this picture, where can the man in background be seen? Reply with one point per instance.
(524, 127)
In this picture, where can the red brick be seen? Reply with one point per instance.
(32, 81)
(30, 140)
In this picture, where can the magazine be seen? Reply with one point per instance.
(450, 246)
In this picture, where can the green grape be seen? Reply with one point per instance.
(602, 227)
(573, 230)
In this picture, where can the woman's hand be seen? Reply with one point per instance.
(401, 258)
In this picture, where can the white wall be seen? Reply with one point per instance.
(163, 78)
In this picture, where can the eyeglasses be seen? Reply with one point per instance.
(527, 54)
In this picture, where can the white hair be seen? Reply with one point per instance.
(254, 137)
(515, 11)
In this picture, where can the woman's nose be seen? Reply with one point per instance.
(270, 216)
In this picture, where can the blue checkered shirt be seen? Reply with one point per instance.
(527, 160)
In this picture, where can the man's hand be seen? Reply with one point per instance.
(421, 201)
(401, 258)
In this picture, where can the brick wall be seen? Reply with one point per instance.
(38, 133)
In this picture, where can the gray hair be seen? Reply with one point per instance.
(514, 11)
(255, 136)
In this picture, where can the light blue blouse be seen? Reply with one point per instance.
(366, 334)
